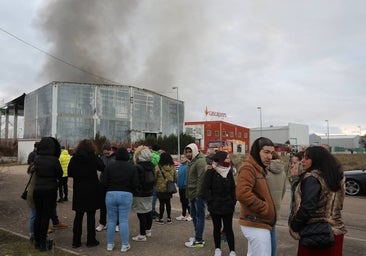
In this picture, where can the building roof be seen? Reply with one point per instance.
(17, 103)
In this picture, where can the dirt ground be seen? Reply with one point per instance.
(166, 239)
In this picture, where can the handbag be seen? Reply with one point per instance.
(24, 195)
(317, 235)
(25, 192)
(170, 185)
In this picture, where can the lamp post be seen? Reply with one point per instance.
(260, 119)
(328, 132)
(178, 133)
(295, 139)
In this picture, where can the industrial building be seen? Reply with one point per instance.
(338, 143)
(206, 132)
(74, 111)
(293, 134)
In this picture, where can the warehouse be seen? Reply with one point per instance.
(123, 114)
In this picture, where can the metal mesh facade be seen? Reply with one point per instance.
(75, 111)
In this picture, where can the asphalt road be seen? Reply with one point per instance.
(166, 240)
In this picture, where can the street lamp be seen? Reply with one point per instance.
(328, 132)
(295, 139)
(260, 118)
(178, 134)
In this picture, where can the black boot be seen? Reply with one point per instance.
(49, 244)
(42, 247)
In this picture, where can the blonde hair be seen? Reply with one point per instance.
(137, 153)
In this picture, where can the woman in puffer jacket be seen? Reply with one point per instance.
(48, 172)
(165, 170)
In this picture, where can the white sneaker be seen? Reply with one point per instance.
(100, 227)
(189, 218)
(148, 233)
(217, 252)
(125, 248)
(195, 244)
(181, 217)
(232, 253)
(110, 247)
(117, 228)
(140, 238)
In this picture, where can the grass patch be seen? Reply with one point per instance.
(13, 245)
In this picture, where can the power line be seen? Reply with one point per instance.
(57, 58)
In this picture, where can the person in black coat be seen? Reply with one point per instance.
(219, 192)
(48, 171)
(83, 169)
(121, 180)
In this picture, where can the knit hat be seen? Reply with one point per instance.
(220, 156)
(145, 155)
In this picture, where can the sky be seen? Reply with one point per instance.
(299, 61)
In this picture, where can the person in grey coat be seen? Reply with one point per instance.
(276, 179)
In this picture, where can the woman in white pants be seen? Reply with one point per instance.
(257, 210)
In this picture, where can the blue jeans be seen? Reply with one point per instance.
(197, 207)
(153, 206)
(118, 208)
(274, 241)
(32, 217)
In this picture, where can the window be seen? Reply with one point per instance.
(217, 133)
(239, 134)
(231, 134)
(208, 133)
(223, 133)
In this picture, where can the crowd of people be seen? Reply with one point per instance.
(116, 184)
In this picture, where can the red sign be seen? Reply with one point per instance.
(214, 113)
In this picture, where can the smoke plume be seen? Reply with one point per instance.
(141, 43)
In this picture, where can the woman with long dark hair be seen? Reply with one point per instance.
(257, 209)
(165, 170)
(83, 169)
(319, 197)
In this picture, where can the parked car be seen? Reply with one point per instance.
(355, 182)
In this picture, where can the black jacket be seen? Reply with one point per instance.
(219, 192)
(47, 166)
(145, 188)
(120, 176)
(83, 169)
(309, 203)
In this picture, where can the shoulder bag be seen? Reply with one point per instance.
(170, 185)
(318, 235)
(25, 192)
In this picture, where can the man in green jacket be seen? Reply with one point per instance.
(195, 176)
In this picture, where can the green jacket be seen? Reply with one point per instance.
(195, 174)
(155, 157)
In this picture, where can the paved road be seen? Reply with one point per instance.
(166, 239)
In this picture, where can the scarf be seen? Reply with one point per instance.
(223, 171)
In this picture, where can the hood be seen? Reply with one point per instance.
(276, 166)
(64, 152)
(194, 149)
(49, 146)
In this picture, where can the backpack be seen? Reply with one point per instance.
(147, 179)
